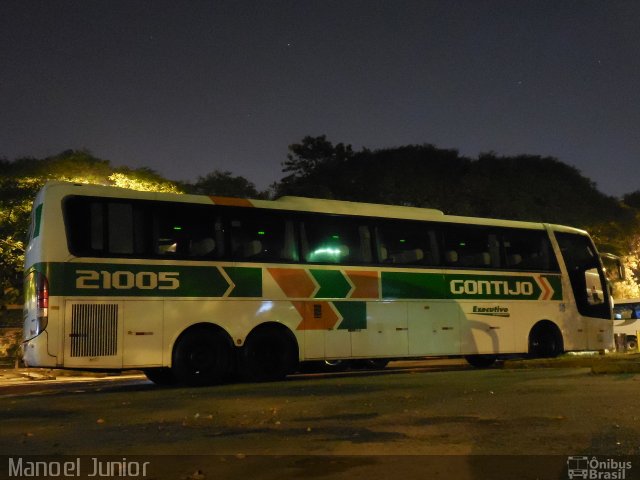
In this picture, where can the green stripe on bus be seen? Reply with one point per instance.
(157, 280)
(247, 281)
(36, 221)
(405, 285)
(493, 287)
(354, 315)
(409, 285)
(556, 283)
(332, 284)
(103, 279)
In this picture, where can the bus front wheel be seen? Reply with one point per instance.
(545, 340)
(202, 356)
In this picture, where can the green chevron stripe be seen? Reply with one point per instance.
(248, 281)
(556, 283)
(410, 285)
(332, 284)
(354, 315)
(402, 285)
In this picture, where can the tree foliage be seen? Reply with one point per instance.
(523, 187)
(21, 179)
(224, 183)
(311, 165)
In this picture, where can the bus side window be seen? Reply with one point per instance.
(406, 243)
(472, 246)
(120, 228)
(527, 250)
(186, 231)
(101, 227)
(265, 236)
(335, 240)
(289, 249)
(96, 226)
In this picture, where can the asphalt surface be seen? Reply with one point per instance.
(428, 419)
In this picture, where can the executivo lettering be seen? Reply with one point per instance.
(491, 311)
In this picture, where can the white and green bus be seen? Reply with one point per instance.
(198, 289)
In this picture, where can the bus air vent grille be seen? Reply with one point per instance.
(94, 330)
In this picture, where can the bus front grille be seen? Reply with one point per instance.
(94, 330)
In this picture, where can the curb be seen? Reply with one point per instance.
(598, 364)
(14, 375)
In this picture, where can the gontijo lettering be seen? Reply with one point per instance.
(491, 287)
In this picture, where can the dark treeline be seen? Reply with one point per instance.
(524, 187)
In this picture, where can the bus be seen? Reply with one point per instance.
(626, 320)
(198, 290)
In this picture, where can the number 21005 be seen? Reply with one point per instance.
(124, 280)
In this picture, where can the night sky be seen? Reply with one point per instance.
(186, 87)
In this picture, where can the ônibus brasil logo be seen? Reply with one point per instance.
(593, 468)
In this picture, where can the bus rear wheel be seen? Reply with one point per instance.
(268, 355)
(202, 356)
(161, 376)
(480, 361)
(370, 364)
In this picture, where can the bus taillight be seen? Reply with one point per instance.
(36, 304)
(42, 293)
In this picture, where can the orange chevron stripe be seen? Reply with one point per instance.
(231, 201)
(316, 315)
(365, 282)
(300, 308)
(547, 290)
(294, 282)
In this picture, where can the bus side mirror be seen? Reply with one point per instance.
(613, 267)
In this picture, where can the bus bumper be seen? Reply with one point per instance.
(36, 354)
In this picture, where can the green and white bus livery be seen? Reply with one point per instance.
(197, 289)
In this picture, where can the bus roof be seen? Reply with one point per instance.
(302, 204)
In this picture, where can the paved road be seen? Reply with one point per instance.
(337, 426)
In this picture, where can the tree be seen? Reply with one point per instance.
(632, 199)
(224, 183)
(413, 175)
(312, 166)
(21, 179)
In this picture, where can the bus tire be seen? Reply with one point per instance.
(632, 343)
(323, 366)
(269, 354)
(161, 376)
(369, 364)
(545, 340)
(202, 356)
(480, 361)
(377, 363)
